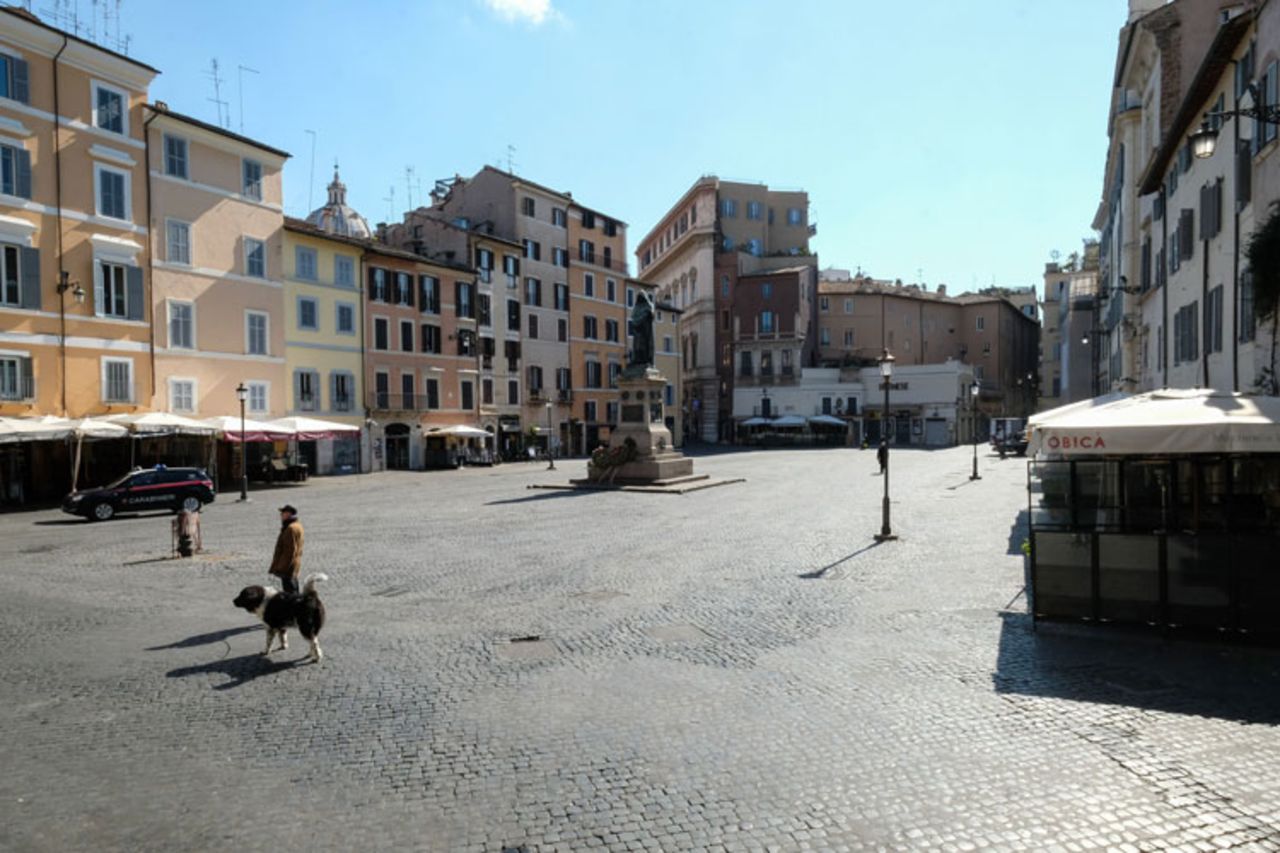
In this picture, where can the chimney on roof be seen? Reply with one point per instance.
(161, 106)
(942, 290)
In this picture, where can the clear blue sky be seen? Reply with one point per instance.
(963, 139)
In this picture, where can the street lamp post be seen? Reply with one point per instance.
(243, 394)
(551, 459)
(886, 374)
(973, 418)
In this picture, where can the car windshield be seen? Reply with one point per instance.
(118, 482)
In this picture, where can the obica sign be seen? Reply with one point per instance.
(1071, 442)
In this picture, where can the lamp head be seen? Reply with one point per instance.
(886, 363)
(1204, 141)
(242, 393)
(974, 390)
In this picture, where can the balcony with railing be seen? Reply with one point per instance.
(598, 259)
(380, 402)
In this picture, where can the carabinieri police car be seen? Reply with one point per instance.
(142, 489)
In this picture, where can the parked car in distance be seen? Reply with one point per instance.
(142, 489)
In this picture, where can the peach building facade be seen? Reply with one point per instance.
(216, 221)
(75, 312)
(597, 324)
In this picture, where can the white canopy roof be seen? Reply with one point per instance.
(33, 429)
(230, 427)
(161, 422)
(756, 421)
(828, 420)
(314, 426)
(789, 421)
(1169, 421)
(1073, 408)
(96, 428)
(459, 430)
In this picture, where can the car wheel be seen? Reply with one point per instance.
(103, 512)
(191, 503)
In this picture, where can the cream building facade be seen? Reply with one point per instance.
(216, 220)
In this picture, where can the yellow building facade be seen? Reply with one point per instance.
(323, 331)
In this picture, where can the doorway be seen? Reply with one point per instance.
(397, 447)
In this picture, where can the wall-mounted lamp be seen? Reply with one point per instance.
(1205, 140)
(65, 283)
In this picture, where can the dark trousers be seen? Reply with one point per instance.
(290, 584)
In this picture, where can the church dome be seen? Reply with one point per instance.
(335, 217)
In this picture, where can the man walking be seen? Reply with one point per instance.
(288, 557)
(882, 455)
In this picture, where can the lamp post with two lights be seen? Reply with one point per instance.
(242, 393)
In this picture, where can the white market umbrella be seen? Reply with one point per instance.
(152, 423)
(461, 431)
(1164, 422)
(1074, 408)
(756, 421)
(82, 428)
(788, 421)
(229, 426)
(309, 429)
(33, 429)
(826, 420)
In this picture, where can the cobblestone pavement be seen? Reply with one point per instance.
(732, 669)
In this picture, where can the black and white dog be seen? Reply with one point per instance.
(282, 610)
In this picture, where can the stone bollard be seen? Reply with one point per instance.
(186, 533)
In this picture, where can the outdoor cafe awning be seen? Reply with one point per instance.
(788, 421)
(230, 428)
(310, 429)
(826, 420)
(1164, 422)
(460, 431)
(161, 423)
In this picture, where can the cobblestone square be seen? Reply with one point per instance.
(739, 668)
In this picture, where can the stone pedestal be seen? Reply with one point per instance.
(641, 419)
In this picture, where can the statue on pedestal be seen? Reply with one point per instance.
(641, 328)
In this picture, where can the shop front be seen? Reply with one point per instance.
(1160, 509)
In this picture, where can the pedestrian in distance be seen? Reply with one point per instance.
(882, 455)
(287, 561)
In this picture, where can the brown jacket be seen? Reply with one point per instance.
(288, 557)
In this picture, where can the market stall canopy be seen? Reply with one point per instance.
(310, 429)
(1073, 408)
(460, 431)
(757, 421)
(33, 429)
(96, 428)
(155, 423)
(230, 427)
(788, 421)
(1163, 423)
(826, 420)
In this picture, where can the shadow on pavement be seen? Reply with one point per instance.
(546, 495)
(239, 670)
(1113, 666)
(817, 574)
(205, 639)
(1019, 532)
(124, 516)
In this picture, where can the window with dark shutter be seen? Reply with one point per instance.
(1244, 175)
(1145, 274)
(1186, 228)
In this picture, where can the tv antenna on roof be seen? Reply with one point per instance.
(511, 162)
(390, 199)
(217, 91)
(240, 69)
